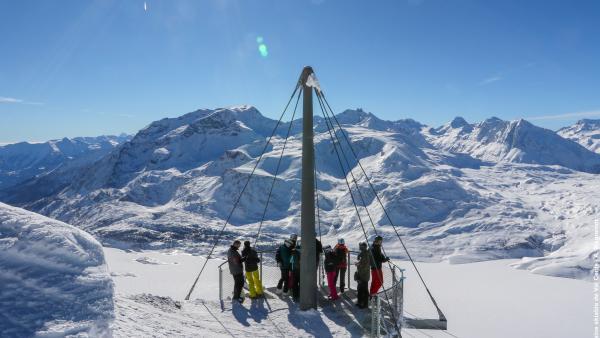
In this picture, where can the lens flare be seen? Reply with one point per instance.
(262, 48)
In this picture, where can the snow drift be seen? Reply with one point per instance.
(53, 278)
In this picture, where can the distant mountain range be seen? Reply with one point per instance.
(462, 192)
(23, 161)
(585, 132)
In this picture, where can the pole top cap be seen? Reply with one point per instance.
(306, 71)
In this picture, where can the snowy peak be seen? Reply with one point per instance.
(496, 140)
(459, 122)
(585, 132)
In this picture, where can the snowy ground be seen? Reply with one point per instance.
(486, 299)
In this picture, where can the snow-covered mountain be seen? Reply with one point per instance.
(54, 278)
(23, 161)
(495, 140)
(585, 132)
(461, 192)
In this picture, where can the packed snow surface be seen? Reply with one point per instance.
(53, 278)
(486, 299)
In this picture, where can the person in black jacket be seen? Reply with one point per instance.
(362, 275)
(236, 269)
(331, 263)
(319, 251)
(251, 260)
(377, 260)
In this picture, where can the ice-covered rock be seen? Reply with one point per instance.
(54, 280)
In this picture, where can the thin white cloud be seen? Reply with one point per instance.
(4, 99)
(565, 116)
(490, 79)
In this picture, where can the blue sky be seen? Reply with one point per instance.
(84, 68)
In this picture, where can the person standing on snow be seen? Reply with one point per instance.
(378, 258)
(362, 275)
(295, 271)
(251, 260)
(331, 263)
(236, 269)
(319, 247)
(341, 252)
(283, 261)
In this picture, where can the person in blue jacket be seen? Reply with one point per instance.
(282, 257)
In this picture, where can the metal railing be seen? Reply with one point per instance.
(390, 316)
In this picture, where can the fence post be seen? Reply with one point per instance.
(348, 270)
(261, 264)
(401, 299)
(375, 317)
(220, 284)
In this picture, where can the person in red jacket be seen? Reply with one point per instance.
(341, 252)
(377, 260)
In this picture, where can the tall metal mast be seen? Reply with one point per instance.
(308, 267)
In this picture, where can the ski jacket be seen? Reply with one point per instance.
(331, 261)
(363, 265)
(250, 258)
(235, 261)
(285, 254)
(342, 252)
(378, 257)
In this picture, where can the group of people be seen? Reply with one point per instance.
(288, 260)
(368, 268)
(247, 260)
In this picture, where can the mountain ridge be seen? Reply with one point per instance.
(491, 197)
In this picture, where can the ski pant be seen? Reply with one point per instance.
(376, 280)
(238, 280)
(295, 283)
(283, 281)
(363, 293)
(340, 272)
(331, 283)
(254, 283)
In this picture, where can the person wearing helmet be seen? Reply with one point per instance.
(283, 256)
(294, 238)
(377, 260)
(341, 252)
(362, 275)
